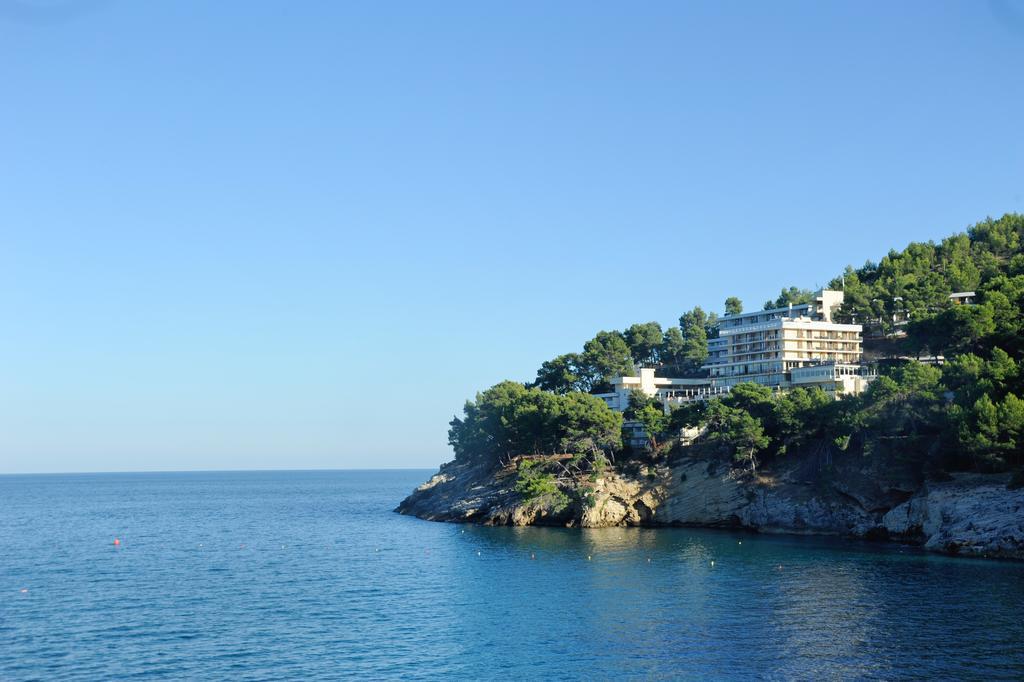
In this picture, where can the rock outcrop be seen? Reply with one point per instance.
(972, 515)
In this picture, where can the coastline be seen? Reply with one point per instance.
(973, 515)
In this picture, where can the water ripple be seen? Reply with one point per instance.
(258, 576)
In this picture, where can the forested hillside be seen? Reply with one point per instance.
(961, 411)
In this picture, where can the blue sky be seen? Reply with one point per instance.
(252, 235)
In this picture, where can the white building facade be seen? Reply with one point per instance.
(782, 348)
(773, 348)
(665, 390)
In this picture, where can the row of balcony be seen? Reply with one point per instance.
(814, 344)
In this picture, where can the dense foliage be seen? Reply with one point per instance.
(908, 416)
(915, 284)
(510, 419)
(678, 351)
(790, 296)
(536, 484)
(960, 409)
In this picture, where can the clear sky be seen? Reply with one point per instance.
(281, 234)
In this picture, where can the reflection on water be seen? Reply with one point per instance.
(702, 601)
(309, 575)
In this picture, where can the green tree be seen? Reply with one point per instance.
(638, 400)
(651, 415)
(741, 434)
(535, 484)
(733, 306)
(965, 376)
(790, 296)
(673, 351)
(587, 425)
(562, 375)
(905, 415)
(983, 440)
(960, 329)
(957, 265)
(970, 376)
(1011, 428)
(965, 415)
(655, 422)
(606, 356)
(917, 378)
(747, 435)
(645, 342)
(693, 325)
(510, 419)
(711, 326)
(756, 399)
(1002, 238)
(1005, 296)
(1017, 265)
(802, 416)
(994, 432)
(688, 415)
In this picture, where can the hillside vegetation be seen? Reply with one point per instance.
(961, 413)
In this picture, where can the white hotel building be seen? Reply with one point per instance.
(797, 345)
(781, 348)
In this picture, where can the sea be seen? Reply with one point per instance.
(310, 575)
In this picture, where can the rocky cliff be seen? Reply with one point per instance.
(971, 514)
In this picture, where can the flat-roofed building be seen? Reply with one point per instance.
(669, 392)
(718, 351)
(836, 378)
(665, 390)
(766, 346)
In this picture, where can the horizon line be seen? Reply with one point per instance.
(206, 471)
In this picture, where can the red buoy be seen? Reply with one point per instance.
(116, 542)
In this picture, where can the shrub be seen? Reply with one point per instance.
(539, 486)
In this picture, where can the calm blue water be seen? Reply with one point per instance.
(310, 575)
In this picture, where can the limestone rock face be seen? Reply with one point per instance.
(621, 501)
(464, 493)
(794, 509)
(698, 494)
(972, 514)
(704, 494)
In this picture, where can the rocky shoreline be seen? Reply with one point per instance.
(968, 514)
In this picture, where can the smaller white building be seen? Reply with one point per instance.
(963, 297)
(667, 391)
(833, 377)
